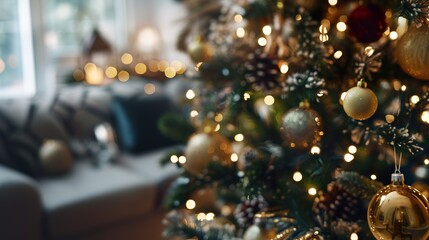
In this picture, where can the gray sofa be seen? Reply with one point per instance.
(120, 199)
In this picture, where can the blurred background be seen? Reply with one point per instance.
(44, 43)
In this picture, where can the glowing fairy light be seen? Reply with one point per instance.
(373, 177)
(312, 191)
(182, 159)
(332, 2)
(191, 204)
(284, 68)
(352, 149)
(348, 157)
(269, 100)
(315, 150)
(174, 158)
(341, 26)
(194, 113)
(234, 157)
(262, 41)
(414, 99)
(393, 35)
(190, 94)
(267, 30)
(297, 176)
(338, 54)
(239, 137)
(240, 32)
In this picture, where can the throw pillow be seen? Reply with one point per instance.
(136, 121)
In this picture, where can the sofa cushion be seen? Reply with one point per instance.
(136, 120)
(90, 197)
(149, 165)
(25, 124)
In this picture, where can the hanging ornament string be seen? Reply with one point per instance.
(397, 163)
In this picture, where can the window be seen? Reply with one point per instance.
(17, 76)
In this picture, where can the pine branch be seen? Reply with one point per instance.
(416, 11)
(358, 185)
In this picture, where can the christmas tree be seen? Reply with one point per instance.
(300, 112)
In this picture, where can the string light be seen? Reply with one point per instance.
(332, 2)
(393, 35)
(315, 150)
(284, 68)
(182, 159)
(218, 117)
(210, 216)
(140, 68)
(338, 54)
(240, 32)
(414, 99)
(269, 100)
(262, 41)
(297, 176)
(191, 204)
(111, 72)
(126, 58)
(201, 216)
(239, 137)
(403, 88)
(312, 191)
(267, 30)
(190, 94)
(352, 149)
(123, 76)
(149, 88)
(348, 157)
(426, 161)
(234, 157)
(163, 65)
(174, 158)
(425, 116)
(170, 72)
(238, 18)
(246, 96)
(354, 236)
(373, 177)
(341, 26)
(193, 113)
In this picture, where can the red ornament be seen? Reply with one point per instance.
(367, 23)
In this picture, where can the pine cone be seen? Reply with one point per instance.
(262, 72)
(337, 203)
(245, 211)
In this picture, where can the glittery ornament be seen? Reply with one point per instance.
(311, 235)
(203, 148)
(412, 52)
(360, 102)
(367, 23)
(301, 127)
(399, 211)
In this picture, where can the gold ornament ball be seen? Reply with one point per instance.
(399, 211)
(55, 157)
(200, 51)
(301, 128)
(360, 103)
(412, 52)
(203, 148)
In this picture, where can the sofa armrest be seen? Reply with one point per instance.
(20, 206)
